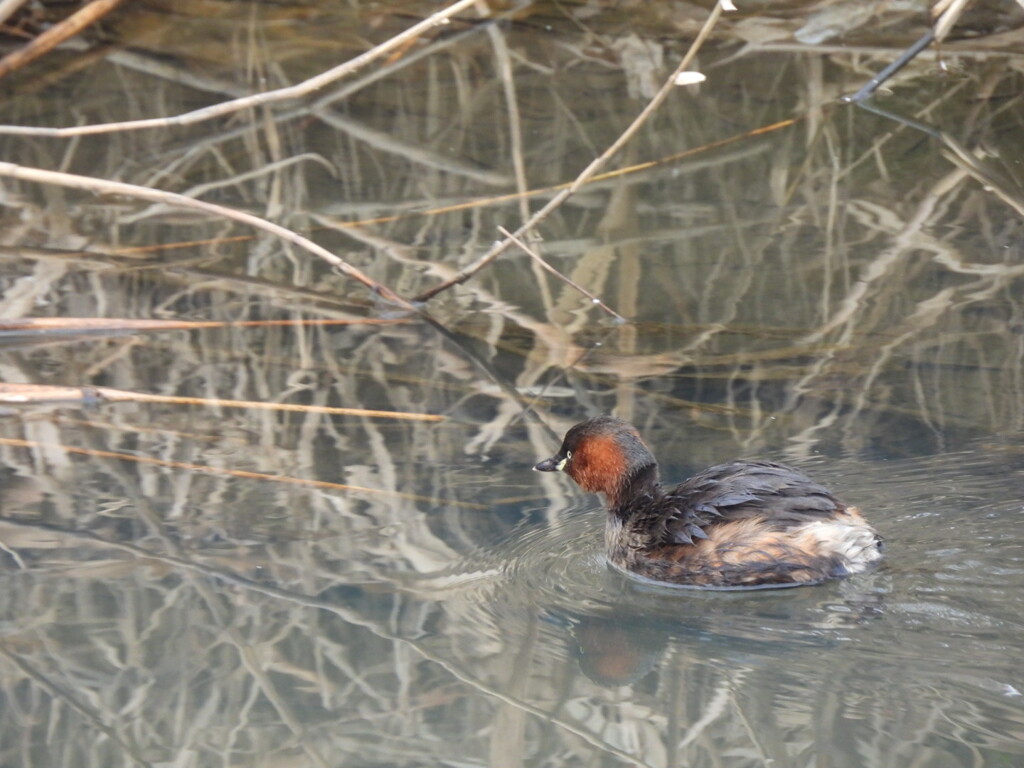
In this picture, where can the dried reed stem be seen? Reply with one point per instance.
(590, 171)
(26, 393)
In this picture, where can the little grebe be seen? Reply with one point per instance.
(742, 524)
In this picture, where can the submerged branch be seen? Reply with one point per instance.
(107, 187)
(241, 473)
(348, 615)
(949, 12)
(257, 99)
(537, 257)
(905, 58)
(590, 171)
(75, 703)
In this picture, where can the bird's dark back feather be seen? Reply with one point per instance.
(739, 490)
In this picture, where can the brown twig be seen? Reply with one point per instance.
(107, 187)
(242, 473)
(590, 171)
(539, 259)
(25, 393)
(57, 34)
(107, 326)
(257, 99)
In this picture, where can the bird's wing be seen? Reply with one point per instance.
(741, 490)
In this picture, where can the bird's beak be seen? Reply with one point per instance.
(554, 464)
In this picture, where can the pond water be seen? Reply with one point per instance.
(198, 584)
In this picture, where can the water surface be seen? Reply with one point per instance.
(203, 585)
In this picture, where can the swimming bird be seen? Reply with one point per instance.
(740, 524)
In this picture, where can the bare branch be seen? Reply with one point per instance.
(537, 257)
(591, 170)
(257, 99)
(106, 187)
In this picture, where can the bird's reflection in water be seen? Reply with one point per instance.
(620, 643)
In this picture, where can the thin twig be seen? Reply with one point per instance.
(62, 693)
(628, 170)
(963, 158)
(238, 179)
(242, 473)
(591, 170)
(257, 99)
(537, 257)
(905, 58)
(107, 187)
(12, 393)
(108, 326)
(57, 34)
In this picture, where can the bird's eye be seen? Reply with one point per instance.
(563, 462)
